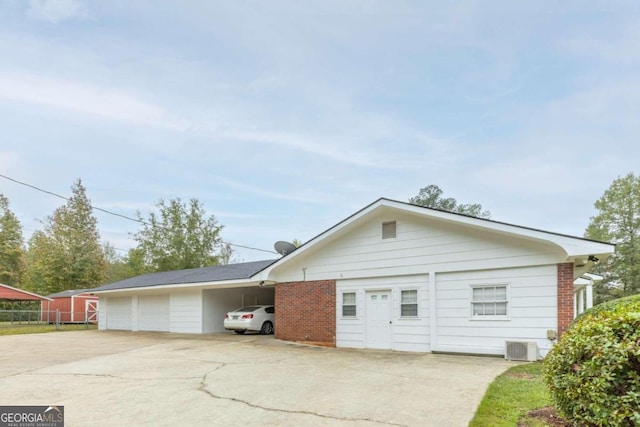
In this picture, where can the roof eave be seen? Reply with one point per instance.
(572, 246)
(201, 285)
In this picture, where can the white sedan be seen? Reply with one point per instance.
(257, 318)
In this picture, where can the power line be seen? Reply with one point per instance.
(128, 218)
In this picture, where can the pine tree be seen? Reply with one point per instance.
(12, 255)
(618, 221)
(67, 253)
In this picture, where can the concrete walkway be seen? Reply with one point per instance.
(126, 378)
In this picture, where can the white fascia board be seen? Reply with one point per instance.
(201, 285)
(322, 237)
(573, 247)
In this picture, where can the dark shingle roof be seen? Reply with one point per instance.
(193, 275)
(69, 293)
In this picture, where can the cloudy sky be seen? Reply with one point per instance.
(284, 117)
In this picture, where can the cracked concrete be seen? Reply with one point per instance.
(124, 378)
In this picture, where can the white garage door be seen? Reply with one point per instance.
(153, 312)
(119, 313)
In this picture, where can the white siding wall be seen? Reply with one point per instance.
(185, 307)
(217, 302)
(422, 245)
(532, 307)
(407, 334)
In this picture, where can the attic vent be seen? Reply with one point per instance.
(521, 350)
(389, 230)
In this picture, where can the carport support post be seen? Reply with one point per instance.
(57, 319)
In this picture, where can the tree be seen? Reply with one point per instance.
(431, 197)
(181, 236)
(118, 267)
(67, 254)
(11, 246)
(618, 221)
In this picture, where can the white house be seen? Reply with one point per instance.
(391, 276)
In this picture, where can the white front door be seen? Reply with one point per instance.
(378, 313)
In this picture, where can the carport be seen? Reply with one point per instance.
(217, 302)
(16, 296)
(183, 301)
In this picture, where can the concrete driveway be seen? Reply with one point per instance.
(127, 378)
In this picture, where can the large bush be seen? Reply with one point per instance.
(593, 373)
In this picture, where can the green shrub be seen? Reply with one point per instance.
(593, 373)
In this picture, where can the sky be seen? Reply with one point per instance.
(285, 117)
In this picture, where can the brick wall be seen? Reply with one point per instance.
(306, 311)
(565, 296)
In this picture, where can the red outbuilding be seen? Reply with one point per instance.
(74, 306)
(16, 296)
(9, 293)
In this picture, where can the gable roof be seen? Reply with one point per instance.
(572, 246)
(14, 294)
(216, 273)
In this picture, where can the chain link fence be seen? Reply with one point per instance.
(61, 319)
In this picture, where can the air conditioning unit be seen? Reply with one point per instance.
(521, 350)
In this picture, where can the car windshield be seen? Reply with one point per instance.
(247, 309)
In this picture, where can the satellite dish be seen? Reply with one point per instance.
(284, 248)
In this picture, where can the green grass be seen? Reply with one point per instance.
(38, 329)
(511, 396)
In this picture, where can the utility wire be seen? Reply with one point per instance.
(128, 218)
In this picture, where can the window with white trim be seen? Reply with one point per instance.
(409, 303)
(489, 301)
(349, 304)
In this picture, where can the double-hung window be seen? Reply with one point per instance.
(409, 303)
(489, 301)
(349, 304)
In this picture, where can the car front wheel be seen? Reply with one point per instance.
(267, 328)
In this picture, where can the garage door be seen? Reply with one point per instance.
(119, 313)
(153, 312)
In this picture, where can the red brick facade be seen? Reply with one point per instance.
(565, 296)
(306, 312)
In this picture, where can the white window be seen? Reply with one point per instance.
(349, 304)
(409, 303)
(389, 230)
(489, 301)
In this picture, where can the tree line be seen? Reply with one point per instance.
(67, 252)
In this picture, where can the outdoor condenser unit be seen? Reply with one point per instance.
(521, 350)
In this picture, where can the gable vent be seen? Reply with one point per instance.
(521, 350)
(389, 230)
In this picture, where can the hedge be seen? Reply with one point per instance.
(593, 373)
